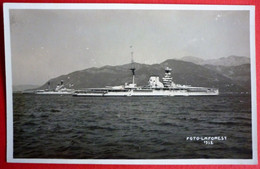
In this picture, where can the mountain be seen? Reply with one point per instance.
(228, 61)
(185, 73)
(239, 74)
(193, 59)
(224, 61)
(236, 68)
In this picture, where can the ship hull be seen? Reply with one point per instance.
(54, 93)
(149, 93)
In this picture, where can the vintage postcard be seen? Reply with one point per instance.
(130, 84)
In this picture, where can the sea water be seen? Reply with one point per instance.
(54, 126)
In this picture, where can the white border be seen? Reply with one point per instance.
(9, 98)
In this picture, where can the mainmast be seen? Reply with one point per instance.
(132, 65)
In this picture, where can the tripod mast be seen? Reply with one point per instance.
(132, 65)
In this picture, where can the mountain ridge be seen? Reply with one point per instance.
(231, 60)
(184, 72)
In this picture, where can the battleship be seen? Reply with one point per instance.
(59, 90)
(154, 88)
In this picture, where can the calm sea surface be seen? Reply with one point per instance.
(47, 126)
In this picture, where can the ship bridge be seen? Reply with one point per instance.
(167, 79)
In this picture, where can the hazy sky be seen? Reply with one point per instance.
(49, 43)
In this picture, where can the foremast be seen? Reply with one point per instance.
(132, 68)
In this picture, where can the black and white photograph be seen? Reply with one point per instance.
(130, 84)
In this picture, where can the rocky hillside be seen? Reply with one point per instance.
(239, 74)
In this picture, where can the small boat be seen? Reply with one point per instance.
(59, 90)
